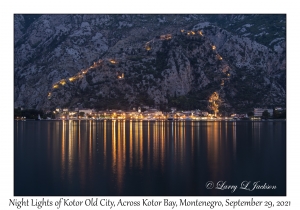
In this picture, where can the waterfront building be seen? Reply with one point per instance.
(259, 111)
(205, 114)
(86, 111)
(131, 115)
(153, 113)
(73, 115)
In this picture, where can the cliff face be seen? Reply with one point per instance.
(121, 61)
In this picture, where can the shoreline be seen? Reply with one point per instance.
(160, 120)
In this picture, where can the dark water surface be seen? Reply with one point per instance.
(94, 158)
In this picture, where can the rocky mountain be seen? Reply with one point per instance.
(124, 61)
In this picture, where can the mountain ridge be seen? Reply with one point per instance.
(158, 63)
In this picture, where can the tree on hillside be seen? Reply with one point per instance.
(81, 114)
(265, 114)
(250, 114)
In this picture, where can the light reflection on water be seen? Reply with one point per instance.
(144, 158)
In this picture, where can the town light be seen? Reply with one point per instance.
(112, 61)
(62, 82)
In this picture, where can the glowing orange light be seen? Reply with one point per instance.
(166, 37)
(62, 82)
(113, 61)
